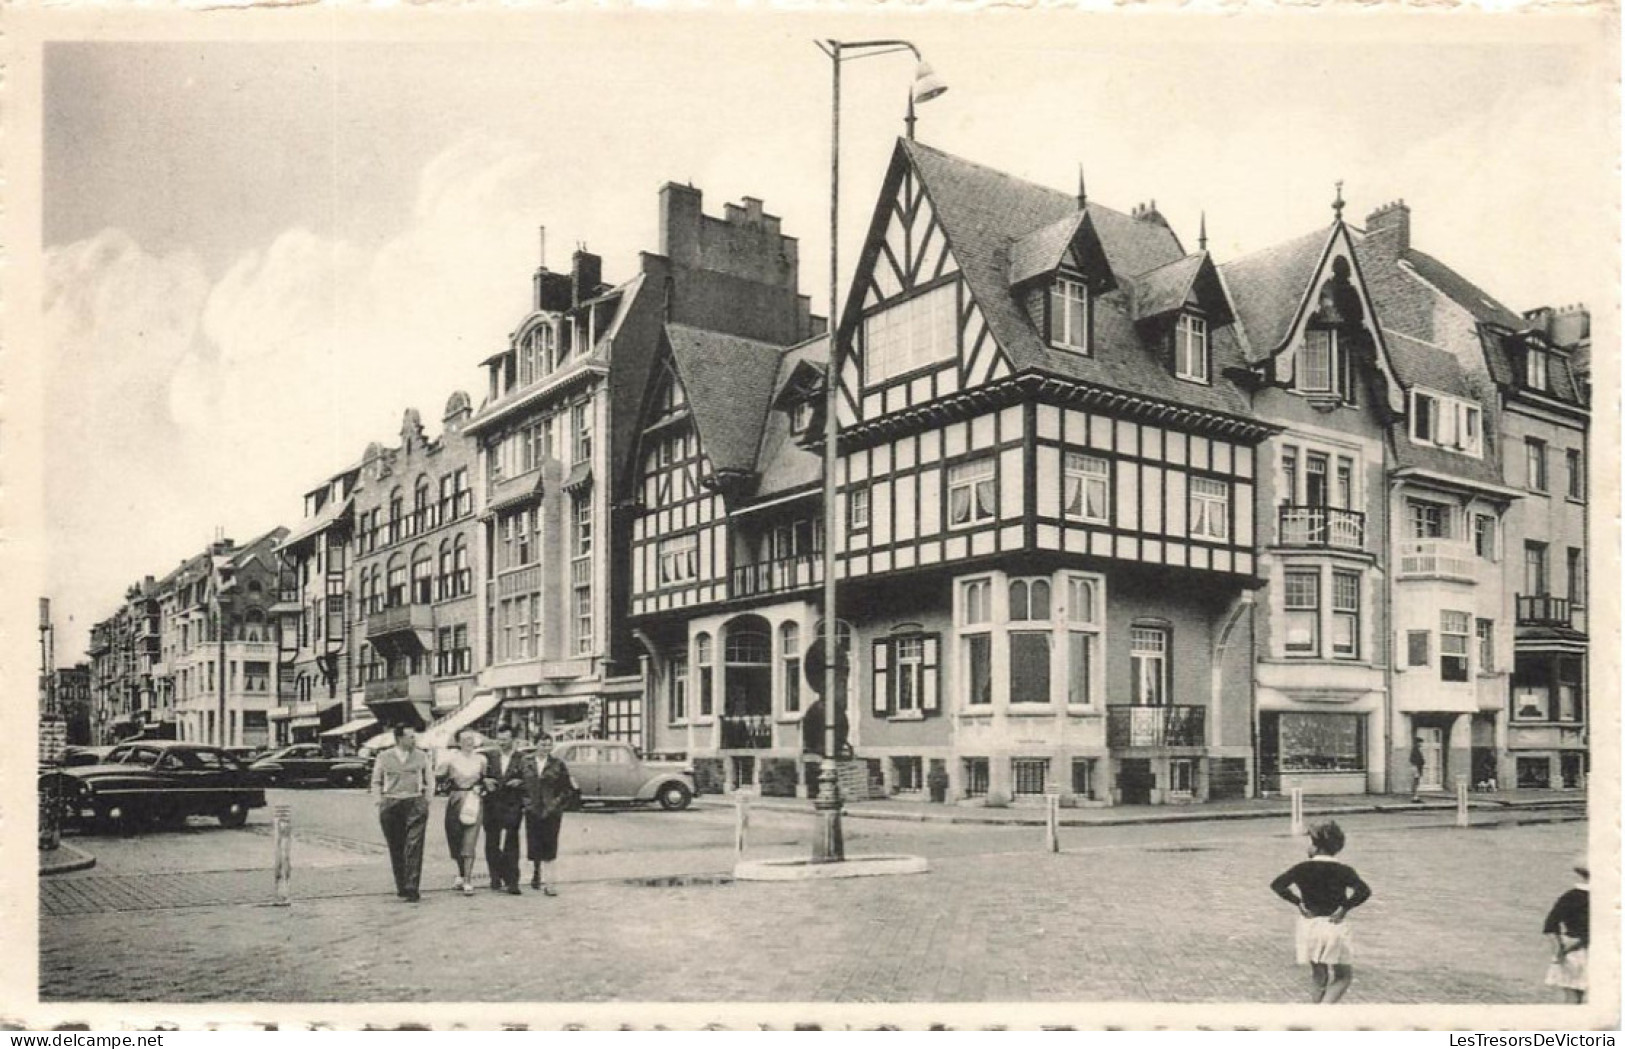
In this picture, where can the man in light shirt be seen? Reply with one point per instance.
(403, 779)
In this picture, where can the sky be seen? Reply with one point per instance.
(256, 254)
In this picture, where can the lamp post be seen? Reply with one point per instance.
(830, 846)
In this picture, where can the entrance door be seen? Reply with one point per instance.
(1135, 781)
(1432, 740)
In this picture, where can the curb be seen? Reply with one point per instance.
(64, 858)
(1159, 818)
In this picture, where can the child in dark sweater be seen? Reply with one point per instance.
(1569, 925)
(1326, 891)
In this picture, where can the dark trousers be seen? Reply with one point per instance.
(502, 846)
(404, 821)
(542, 836)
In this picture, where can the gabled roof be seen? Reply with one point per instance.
(728, 381)
(783, 462)
(986, 214)
(1460, 290)
(1503, 355)
(1043, 250)
(1268, 288)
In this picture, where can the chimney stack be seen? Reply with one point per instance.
(1390, 225)
(586, 273)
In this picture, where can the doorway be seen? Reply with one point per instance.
(1431, 741)
(1135, 781)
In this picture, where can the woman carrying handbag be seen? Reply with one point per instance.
(463, 768)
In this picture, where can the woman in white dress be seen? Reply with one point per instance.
(463, 768)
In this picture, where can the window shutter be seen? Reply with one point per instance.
(882, 694)
(928, 677)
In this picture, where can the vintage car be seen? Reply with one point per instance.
(611, 772)
(77, 755)
(154, 781)
(305, 763)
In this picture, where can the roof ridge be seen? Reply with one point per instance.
(1059, 194)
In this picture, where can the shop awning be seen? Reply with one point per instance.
(442, 732)
(349, 727)
(310, 722)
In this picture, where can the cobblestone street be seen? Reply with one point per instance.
(1178, 913)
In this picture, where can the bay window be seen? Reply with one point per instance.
(1454, 630)
(1301, 600)
(976, 640)
(972, 497)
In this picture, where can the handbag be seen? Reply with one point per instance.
(469, 813)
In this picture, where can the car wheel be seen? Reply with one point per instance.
(116, 819)
(235, 816)
(674, 796)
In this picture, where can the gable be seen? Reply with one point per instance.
(913, 251)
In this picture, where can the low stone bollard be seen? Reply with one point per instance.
(1462, 819)
(741, 821)
(282, 834)
(1297, 812)
(1052, 823)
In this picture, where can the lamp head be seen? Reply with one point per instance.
(927, 85)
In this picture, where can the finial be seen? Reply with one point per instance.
(1083, 194)
(1201, 235)
(1337, 205)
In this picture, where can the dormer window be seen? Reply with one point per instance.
(1191, 361)
(1325, 367)
(1069, 314)
(801, 413)
(1536, 372)
(1446, 422)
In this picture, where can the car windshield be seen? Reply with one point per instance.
(133, 754)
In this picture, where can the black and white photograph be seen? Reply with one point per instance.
(960, 516)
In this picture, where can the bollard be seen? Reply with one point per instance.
(283, 833)
(1297, 811)
(741, 821)
(1052, 822)
(1461, 802)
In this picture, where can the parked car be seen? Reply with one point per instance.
(84, 755)
(154, 781)
(610, 772)
(305, 763)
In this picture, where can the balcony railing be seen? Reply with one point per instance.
(1544, 610)
(416, 688)
(400, 619)
(747, 731)
(1321, 526)
(1156, 726)
(1437, 559)
(772, 577)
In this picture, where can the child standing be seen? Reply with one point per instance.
(1326, 891)
(1569, 925)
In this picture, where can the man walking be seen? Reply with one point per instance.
(1419, 764)
(504, 810)
(548, 788)
(404, 781)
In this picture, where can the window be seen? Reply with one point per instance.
(1314, 742)
(972, 497)
(1484, 536)
(1577, 477)
(1534, 569)
(1082, 639)
(582, 513)
(857, 509)
(1301, 600)
(1315, 490)
(581, 580)
(396, 592)
(1346, 615)
(975, 777)
(256, 677)
(679, 559)
(443, 577)
(1029, 776)
(581, 424)
(909, 335)
(1087, 495)
(1536, 373)
(1315, 361)
(1069, 314)
(1083, 777)
(1289, 475)
(423, 577)
(1453, 634)
(1428, 520)
(908, 773)
(1446, 422)
(1182, 777)
(1029, 666)
(1344, 496)
(1416, 648)
(1486, 645)
(976, 642)
(801, 413)
(1535, 464)
(1148, 663)
(677, 687)
(790, 666)
(1568, 688)
(702, 662)
(905, 676)
(1029, 599)
(1576, 578)
(1190, 348)
(462, 575)
(1209, 509)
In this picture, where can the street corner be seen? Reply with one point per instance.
(64, 859)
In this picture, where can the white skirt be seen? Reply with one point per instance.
(1570, 972)
(1324, 942)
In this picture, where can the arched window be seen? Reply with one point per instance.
(254, 625)
(422, 576)
(702, 666)
(395, 594)
(366, 591)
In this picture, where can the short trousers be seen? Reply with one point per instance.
(1324, 942)
(1570, 972)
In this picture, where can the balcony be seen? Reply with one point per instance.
(1325, 526)
(1156, 727)
(774, 577)
(747, 732)
(1437, 559)
(397, 629)
(409, 688)
(1544, 610)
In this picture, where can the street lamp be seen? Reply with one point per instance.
(830, 846)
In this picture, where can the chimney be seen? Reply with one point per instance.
(1390, 225)
(586, 273)
(1540, 319)
(680, 223)
(1571, 326)
(552, 289)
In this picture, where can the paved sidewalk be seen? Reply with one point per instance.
(1030, 814)
(64, 859)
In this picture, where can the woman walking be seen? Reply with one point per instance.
(1327, 891)
(463, 768)
(548, 790)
